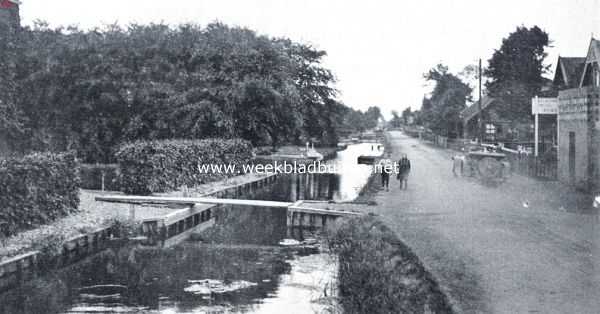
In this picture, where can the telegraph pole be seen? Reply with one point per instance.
(480, 118)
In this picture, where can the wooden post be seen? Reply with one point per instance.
(294, 187)
(132, 212)
(480, 115)
(290, 218)
(102, 181)
(537, 134)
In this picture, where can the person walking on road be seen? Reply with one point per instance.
(385, 168)
(458, 164)
(403, 171)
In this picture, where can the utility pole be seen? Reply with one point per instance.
(480, 118)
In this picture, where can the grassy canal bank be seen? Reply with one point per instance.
(380, 274)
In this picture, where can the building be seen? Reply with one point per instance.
(9, 13)
(578, 80)
(495, 128)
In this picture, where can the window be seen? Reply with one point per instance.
(490, 128)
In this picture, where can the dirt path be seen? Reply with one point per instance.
(524, 247)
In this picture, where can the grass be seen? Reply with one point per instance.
(379, 274)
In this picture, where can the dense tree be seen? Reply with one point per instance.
(515, 71)
(441, 112)
(396, 120)
(92, 90)
(406, 114)
(359, 121)
(372, 115)
(11, 118)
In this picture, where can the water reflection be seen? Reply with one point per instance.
(159, 280)
(342, 186)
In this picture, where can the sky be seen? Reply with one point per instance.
(378, 50)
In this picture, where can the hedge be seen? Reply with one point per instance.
(160, 166)
(37, 189)
(91, 176)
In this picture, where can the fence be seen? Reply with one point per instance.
(446, 142)
(541, 167)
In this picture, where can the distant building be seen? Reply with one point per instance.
(578, 80)
(9, 14)
(495, 128)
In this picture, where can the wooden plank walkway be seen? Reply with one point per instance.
(192, 201)
(188, 201)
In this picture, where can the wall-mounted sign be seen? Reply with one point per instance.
(543, 105)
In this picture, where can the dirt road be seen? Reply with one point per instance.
(524, 247)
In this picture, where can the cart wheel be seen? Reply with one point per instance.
(489, 168)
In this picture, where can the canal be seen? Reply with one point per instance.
(342, 184)
(235, 267)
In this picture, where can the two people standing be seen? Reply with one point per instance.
(386, 167)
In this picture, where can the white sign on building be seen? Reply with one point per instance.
(543, 105)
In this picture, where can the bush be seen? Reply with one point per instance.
(160, 166)
(379, 274)
(91, 176)
(37, 189)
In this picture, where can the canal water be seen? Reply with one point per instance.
(343, 182)
(236, 267)
(189, 278)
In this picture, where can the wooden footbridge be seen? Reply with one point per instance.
(197, 214)
(192, 201)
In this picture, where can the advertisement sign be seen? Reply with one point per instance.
(542, 105)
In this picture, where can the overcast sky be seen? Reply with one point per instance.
(378, 50)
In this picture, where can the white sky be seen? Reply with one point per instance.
(378, 50)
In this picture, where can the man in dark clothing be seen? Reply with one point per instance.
(403, 171)
(385, 167)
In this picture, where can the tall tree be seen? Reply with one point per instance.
(396, 119)
(12, 121)
(450, 94)
(515, 71)
(372, 115)
(92, 90)
(406, 114)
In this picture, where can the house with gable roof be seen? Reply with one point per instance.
(578, 81)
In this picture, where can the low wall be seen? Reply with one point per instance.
(26, 266)
(242, 189)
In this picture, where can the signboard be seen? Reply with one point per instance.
(541, 105)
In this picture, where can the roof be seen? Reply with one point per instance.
(593, 56)
(569, 69)
(471, 111)
(9, 3)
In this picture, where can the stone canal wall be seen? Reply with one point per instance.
(26, 266)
